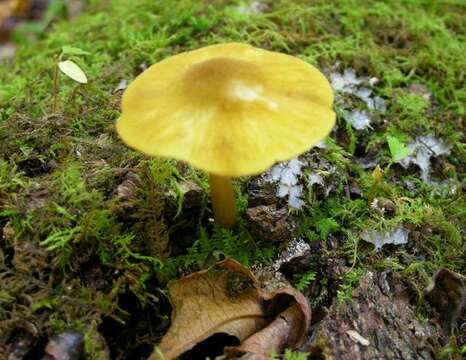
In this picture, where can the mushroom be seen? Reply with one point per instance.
(228, 109)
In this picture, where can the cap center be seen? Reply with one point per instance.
(223, 79)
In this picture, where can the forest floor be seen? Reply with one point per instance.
(91, 231)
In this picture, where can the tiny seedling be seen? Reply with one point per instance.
(398, 150)
(377, 175)
(69, 68)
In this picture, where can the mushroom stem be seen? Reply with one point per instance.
(223, 200)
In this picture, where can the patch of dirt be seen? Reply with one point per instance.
(133, 335)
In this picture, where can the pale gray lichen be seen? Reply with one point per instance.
(122, 85)
(397, 236)
(349, 83)
(321, 145)
(346, 82)
(422, 149)
(255, 7)
(372, 102)
(295, 249)
(359, 120)
(324, 175)
(287, 174)
(315, 178)
(294, 197)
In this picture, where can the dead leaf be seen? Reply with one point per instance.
(11, 7)
(228, 298)
(212, 301)
(447, 294)
(276, 336)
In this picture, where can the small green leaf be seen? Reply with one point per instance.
(42, 304)
(70, 50)
(398, 150)
(73, 71)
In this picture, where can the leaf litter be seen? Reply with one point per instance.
(264, 315)
(447, 294)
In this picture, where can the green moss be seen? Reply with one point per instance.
(350, 280)
(302, 281)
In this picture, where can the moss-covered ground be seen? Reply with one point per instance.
(76, 255)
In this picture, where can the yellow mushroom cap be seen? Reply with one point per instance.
(229, 109)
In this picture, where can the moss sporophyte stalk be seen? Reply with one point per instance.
(229, 109)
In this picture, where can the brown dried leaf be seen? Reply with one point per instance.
(208, 302)
(279, 334)
(447, 294)
(228, 298)
(10, 7)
